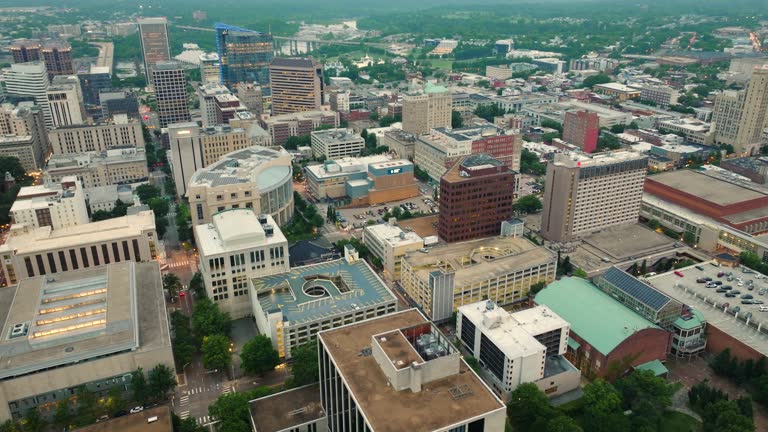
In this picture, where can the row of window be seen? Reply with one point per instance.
(64, 260)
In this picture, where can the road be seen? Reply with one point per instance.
(106, 54)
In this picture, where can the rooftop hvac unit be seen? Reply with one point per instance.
(262, 219)
(269, 230)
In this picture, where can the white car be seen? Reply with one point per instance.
(137, 409)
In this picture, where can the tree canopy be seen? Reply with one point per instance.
(258, 355)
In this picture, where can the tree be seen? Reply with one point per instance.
(608, 142)
(10, 426)
(602, 408)
(197, 286)
(184, 344)
(529, 409)
(563, 424)
(62, 417)
(207, 320)
(644, 393)
(258, 355)
(535, 288)
(232, 409)
(114, 401)
(305, 368)
(11, 165)
(139, 385)
(172, 283)
(217, 352)
(86, 407)
(159, 206)
(654, 224)
(528, 204)
(580, 273)
(456, 120)
(595, 79)
(147, 192)
(162, 380)
(725, 415)
(33, 422)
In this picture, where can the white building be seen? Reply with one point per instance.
(336, 143)
(389, 242)
(515, 348)
(255, 178)
(120, 132)
(30, 79)
(65, 99)
(206, 94)
(57, 205)
(209, 68)
(30, 252)
(95, 169)
(235, 247)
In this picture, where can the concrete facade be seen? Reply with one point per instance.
(424, 112)
(119, 132)
(56, 205)
(96, 169)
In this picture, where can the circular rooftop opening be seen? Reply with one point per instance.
(314, 290)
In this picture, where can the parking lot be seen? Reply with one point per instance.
(729, 314)
(359, 217)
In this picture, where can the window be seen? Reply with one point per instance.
(51, 262)
(105, 252)
(116, 252)
(199, 211)
(28, 264)
(136, 253)
(73, 258)
(63, 261)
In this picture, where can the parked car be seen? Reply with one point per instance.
(700, 280)
(678, 273)
(757, 302)
(736, 309)
(762, 291)
(730, 294)
(137, 409)
(747, 296)
(721, 290)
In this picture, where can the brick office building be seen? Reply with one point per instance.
(506, 148)
(475, 197)
(581, 128)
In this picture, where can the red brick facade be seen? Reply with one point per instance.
(501, 147)
(581, 128)
(643, 346)
(718, 340)
(707, 208)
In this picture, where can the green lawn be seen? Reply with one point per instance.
(446, 64)
(674, 421)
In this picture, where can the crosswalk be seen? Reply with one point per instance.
(180, 263)
(195, 390)
(204, 420)
(226, 389)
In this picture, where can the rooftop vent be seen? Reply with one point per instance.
(269, 230)
(18, 330)
(262, 219)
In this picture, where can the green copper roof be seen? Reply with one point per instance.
(695, 321)
(431, 88)
(594, 315)
(654, 366)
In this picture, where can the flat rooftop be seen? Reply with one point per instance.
(322, 290)
(504, 331)
(387, 410)
(391, 235)
(236, 229)
(705, 187)
(345, 166)
(255, 164)
(711, 304)
(135, 422)
(287, 409)
(26, 240)
(481, 259)
(94, 312)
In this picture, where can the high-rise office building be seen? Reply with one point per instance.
(475, 197)
(153, 34)
(65, 99)
(297, 85)
(57, 205)
(581, 128)
(206, 95)
(739, 117)
(97, 79)
(251, 96)
(194, 148)
(31, 79)
(209, 68)
(431, 109)
(586, 193)
(25, 122)
(57, 56)
(170, 93)
(244, 55)
(118, 132)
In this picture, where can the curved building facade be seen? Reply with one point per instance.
(257, 178)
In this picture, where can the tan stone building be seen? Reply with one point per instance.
(113, 166)
(431, 109)
(586, 193)
(98, 137)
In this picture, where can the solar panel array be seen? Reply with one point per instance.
(636, 288)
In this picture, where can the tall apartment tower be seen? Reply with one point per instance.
(153, 34)
(209, 68)
(57, 56)
(297, 85)
(423, 112)
(586, 193)
(25, 50)
(65, 99)
(170, 93)
(31, 79)
(581, 128)
(739, 117)
(475, 198)
(244, 55)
